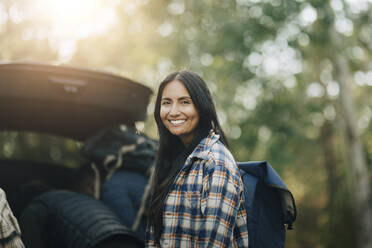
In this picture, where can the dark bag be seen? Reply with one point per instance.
(269, 204)
(121, 147)
(80, 221)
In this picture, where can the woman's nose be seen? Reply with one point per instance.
(174, 110)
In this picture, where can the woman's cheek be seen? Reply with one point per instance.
(163, 112)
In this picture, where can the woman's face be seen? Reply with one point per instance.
(178, 112)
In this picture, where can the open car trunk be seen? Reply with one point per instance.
(63, 101)
(67, 101)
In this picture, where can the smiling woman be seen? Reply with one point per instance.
(197, 190)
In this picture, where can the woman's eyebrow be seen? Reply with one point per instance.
(184, 98)
(179, 98)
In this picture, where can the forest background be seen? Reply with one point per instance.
(292, 81)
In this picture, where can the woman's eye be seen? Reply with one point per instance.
(185, 102)
(164, 103)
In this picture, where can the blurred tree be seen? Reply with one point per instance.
(356, 156)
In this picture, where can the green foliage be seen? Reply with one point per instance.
(41, 148)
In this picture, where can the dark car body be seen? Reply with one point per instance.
(65, 102)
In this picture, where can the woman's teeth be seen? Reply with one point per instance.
(177, 122)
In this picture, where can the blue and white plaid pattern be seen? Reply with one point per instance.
(204, 207)
(10, 234)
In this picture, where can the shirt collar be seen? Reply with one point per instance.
(201, 151)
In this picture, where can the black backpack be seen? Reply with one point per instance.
(269, 204)
(121, 147)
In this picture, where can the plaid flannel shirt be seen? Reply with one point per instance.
(204, 207)
(10, 234)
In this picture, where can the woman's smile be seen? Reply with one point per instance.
(177, 122)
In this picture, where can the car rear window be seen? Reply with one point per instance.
(41, 148)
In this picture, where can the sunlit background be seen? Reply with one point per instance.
(273, 66)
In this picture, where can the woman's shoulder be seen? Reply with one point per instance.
(221, 158)
(221, 153)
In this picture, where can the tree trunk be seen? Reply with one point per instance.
(357, 159)
(330, 161)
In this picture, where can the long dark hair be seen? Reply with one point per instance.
(172, 153)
